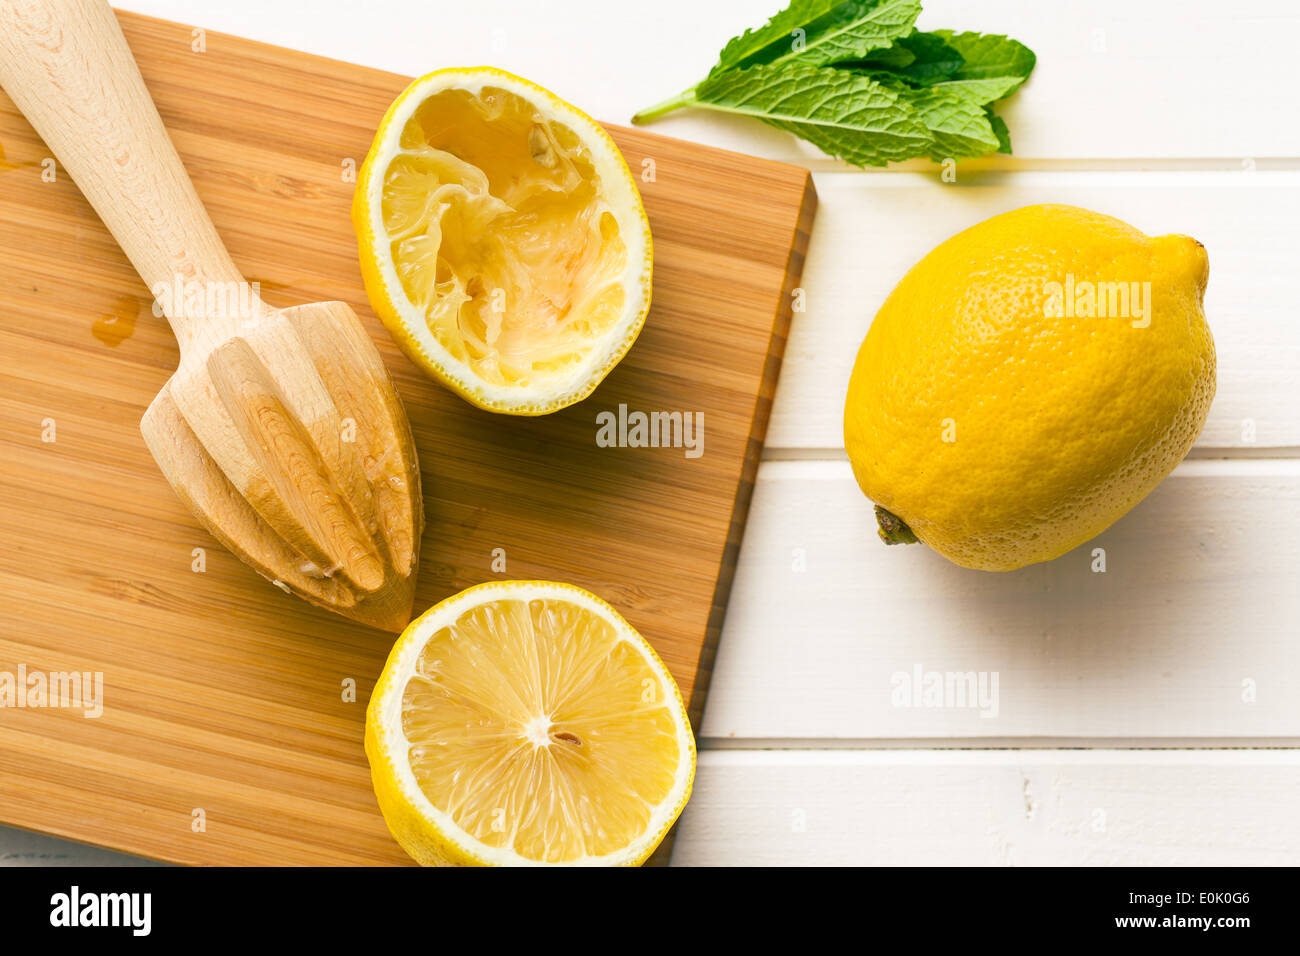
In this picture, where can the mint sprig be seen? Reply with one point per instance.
(836, 110)
(857, 79)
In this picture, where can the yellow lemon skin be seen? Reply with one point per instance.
(995, 410)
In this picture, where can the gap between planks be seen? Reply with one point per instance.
(993, 744)
(786, 453)
(1067, 757)
(831, 465)
(1012, 164)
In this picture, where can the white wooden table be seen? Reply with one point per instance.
(1146, 715)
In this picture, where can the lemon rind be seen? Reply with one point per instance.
(386, 743)
(407, 323)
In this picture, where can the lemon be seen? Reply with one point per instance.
(525, 722)
(503, 242)
(1028, 382)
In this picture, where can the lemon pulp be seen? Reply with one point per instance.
(501, 235)
(538, 728)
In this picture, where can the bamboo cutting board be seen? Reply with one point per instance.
(232, 714)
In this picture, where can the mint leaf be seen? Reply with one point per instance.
(958, 124)
(844, 114)
(989, 55)
(817, 33)
(896, 58)
(855, 149)
(933, 60)
(926, 59)
(858, 80)
(980, 91)
(886, 78)
(854, 29)
(999, 130)
(777, 31)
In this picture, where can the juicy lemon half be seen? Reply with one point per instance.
(525, 722)
(503, 241)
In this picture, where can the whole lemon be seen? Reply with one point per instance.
(1028, 382)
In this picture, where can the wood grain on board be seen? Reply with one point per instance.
(224, 699)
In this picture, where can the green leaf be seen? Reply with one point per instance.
(959, 125)
(815, 32)
(858, 150)
(981, 91)
(933, 60)
(876, 73)
(989, 55)
(777, 31)
(999, 130)
(854, 29)
(896, 58)
(858, 80)
(845, 114)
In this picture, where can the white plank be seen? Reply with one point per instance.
(1160, 78)
(871, 229)
(1198, 606)
(1038, 808)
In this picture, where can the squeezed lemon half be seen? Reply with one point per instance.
(503, 242)
(525, 722)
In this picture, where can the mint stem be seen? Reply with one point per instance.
(685, 98)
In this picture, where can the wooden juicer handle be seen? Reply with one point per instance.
(67, 66)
